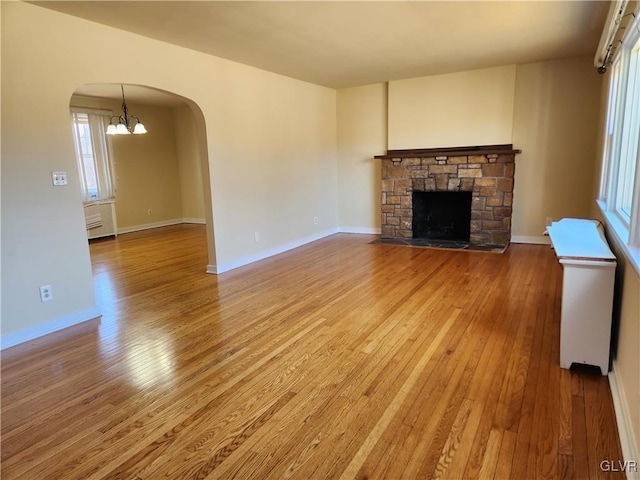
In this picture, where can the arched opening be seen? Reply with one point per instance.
(159, 179)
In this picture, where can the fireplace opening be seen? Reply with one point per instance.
(442, 215)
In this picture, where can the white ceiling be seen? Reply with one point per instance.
(342, 44)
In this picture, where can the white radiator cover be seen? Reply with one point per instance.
(589, 268)
(105, 213)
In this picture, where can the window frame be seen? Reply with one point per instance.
(621, 148)
(103, 161)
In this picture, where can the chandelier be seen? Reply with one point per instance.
(124, 127)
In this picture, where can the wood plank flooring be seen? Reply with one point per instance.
(339, 360)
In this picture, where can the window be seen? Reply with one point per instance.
(610, 130)
(629, 147)
(619, 196)
(93, 154)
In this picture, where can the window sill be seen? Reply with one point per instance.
(620, 234)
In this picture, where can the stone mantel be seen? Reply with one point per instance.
(486, 171)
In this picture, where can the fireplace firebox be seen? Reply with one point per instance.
(442, 215)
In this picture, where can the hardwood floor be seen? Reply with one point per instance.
(339, 359)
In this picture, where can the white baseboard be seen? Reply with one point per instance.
(542, 240)
(365, 230)
(212, 269)
(628, 440)
(225, 267)
(148, 226)
(200, 221)
(165, 223)
(31, 333)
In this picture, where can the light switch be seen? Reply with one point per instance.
(59, 178)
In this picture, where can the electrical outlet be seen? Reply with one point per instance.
(548, 221)
(316, 220)
(149, 212)
(256, 236)
(46, 293)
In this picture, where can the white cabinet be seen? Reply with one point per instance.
(587, 291)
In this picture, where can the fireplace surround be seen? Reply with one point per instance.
(486, 171)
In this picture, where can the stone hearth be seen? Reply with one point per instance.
(487, 172)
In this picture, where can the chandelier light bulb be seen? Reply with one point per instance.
(139, 129)
(121, 129)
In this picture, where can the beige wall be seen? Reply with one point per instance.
(452, 110)
(270, 143)
(556, 127)
(189, 165)
(626, 349)
(626, 356)
(362, 133)
(148, 172)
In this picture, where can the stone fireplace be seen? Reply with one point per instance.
(487, 172)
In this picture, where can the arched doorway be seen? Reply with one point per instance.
(163, 178)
